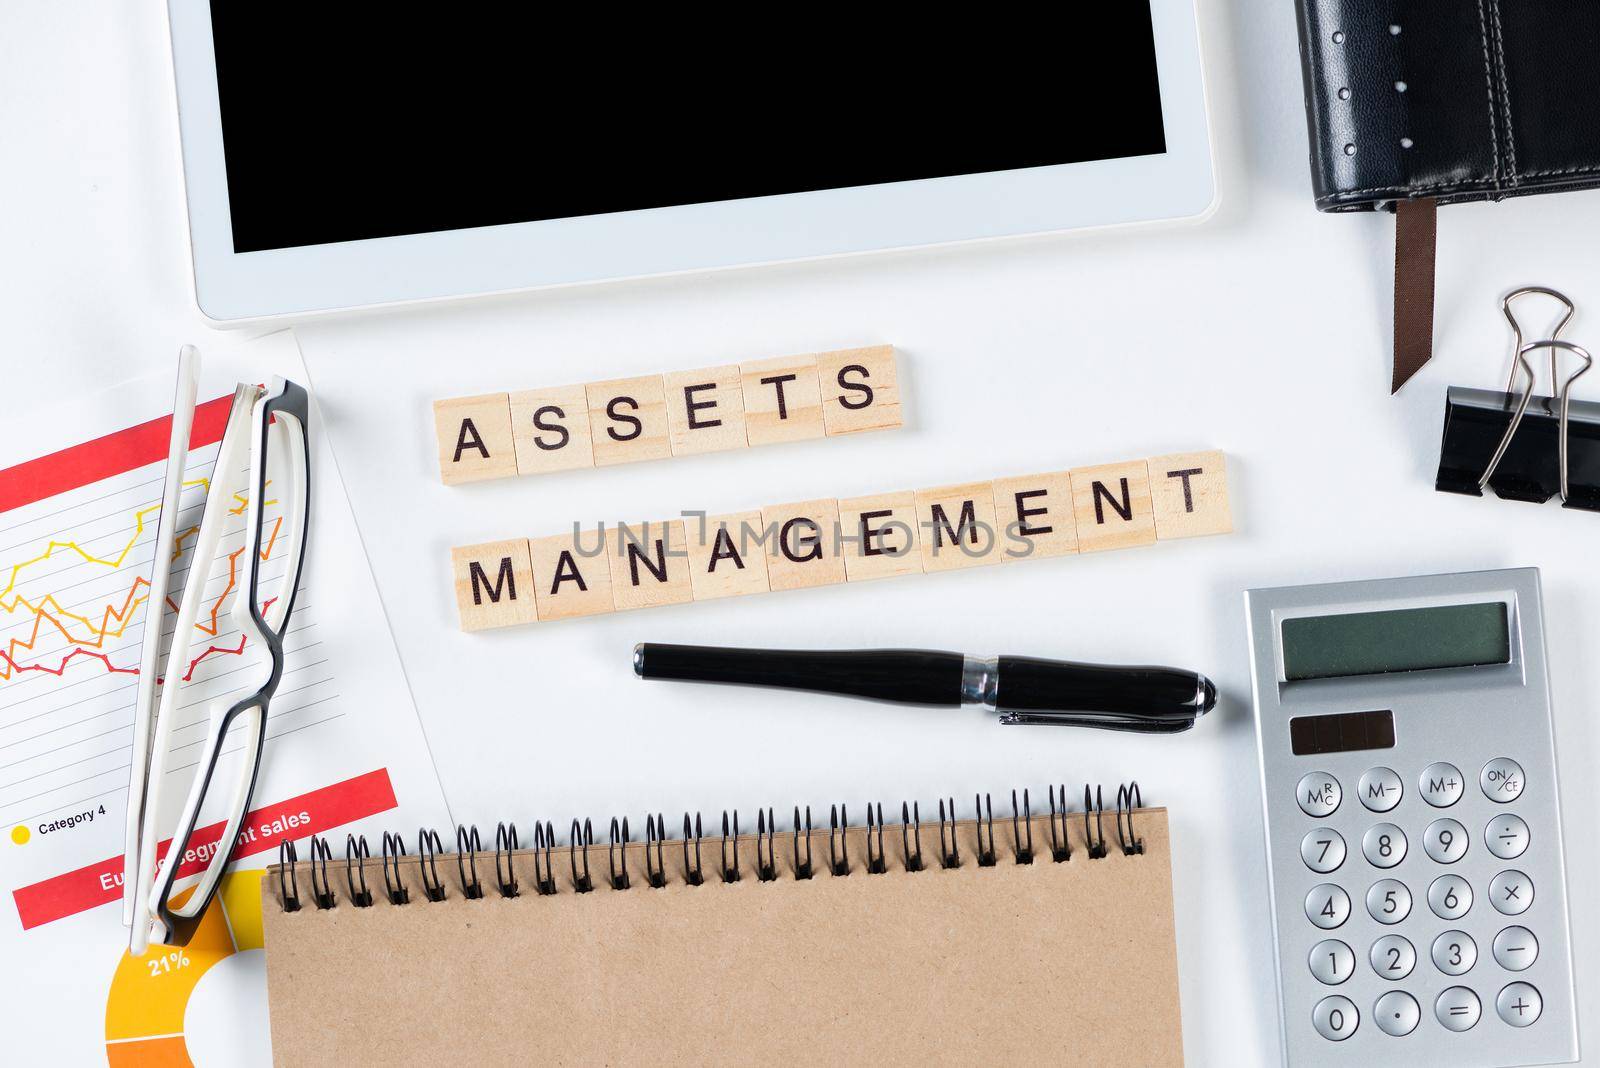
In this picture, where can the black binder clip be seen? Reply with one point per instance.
(1525, 448)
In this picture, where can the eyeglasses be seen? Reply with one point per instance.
(272, 423)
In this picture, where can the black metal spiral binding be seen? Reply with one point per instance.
(1129, 799)
(986, 853)
(393, 887)
(876, 862)
(766, 846)
(802, 868)
(356, 854)
(467, 847)
(949, 852)
(288, 881)
(838, 844)
(1097, 837)
(911, 819)
(729, 874)
(321, 891)
(1023, 853)
(428, 849)
(655, 867)
(505, 847)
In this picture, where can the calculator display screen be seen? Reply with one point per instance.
(1410, 639)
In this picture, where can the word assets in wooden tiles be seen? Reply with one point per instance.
(760, 402)
(586, 572)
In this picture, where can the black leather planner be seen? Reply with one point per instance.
(1427, 102)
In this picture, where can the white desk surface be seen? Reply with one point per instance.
(1263, 332)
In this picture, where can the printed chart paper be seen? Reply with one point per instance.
(80, 495)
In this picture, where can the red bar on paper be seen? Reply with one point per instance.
(314, 813)
(113, 454)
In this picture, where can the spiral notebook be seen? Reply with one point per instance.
(931, 941)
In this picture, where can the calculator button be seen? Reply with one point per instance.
(1515, 949)
(1511, 892)
(1506, 836)
(1389, 901)
(1380, 789)
(1450, 896)
(1445, 841)
(1322, 849)
(1501, 780)
(1396, 1013)
(1393, 957)
(1332, 962)
(1440, 784)
(1454, 953)
(1327, 906)
(1319, 794)
(1458, 1009)
(1384, 845)
(1335, 1018)
(1519, 1004)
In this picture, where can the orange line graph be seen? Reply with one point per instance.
(115, 618)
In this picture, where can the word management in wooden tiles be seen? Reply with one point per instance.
(759, 402)
(697, 557)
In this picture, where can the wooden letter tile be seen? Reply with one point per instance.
(494, 587)
(727, 556)
(474, 438)
(705, 410)
(1190, 492)
(1112, 505)
(782, 399)
(572, 573)
(628, 420)
(1034, 516)
(551, 430)
(859, 390)
(802, 545)
(650, 565)
(957, 528)
(878, 536)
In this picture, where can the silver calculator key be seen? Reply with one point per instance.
(1445, 841)
(1384, 845)
(1380, 789)
(1441, 784)
(1506, 836)
(1511, 892)
(1501, 780)
(1322, 849)
(1458, 1009)
(1396, 1013)
(1332, 962)
(1454, 953)
(1319, 794)
(1389, 901)
(1519, 1004)
(1335, 1018)
(1393, 957)
(1450, 897)
(1327, 906)
(1515, 949)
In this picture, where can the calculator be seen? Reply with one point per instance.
(1408, 778)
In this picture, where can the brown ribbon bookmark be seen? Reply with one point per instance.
(1415, 235)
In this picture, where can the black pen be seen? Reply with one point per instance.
(1022, 689)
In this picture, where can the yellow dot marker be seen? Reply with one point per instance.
(20, 834)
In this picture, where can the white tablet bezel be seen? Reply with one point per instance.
(234, 288)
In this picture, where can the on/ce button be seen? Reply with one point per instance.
(1319, 794)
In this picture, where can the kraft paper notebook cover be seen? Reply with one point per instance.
(990, 961)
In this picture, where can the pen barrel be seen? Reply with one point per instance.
(1139, 693)
(908, 676)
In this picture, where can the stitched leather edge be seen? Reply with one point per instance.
(1488, 81)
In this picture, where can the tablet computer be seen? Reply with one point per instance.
(337, 157)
